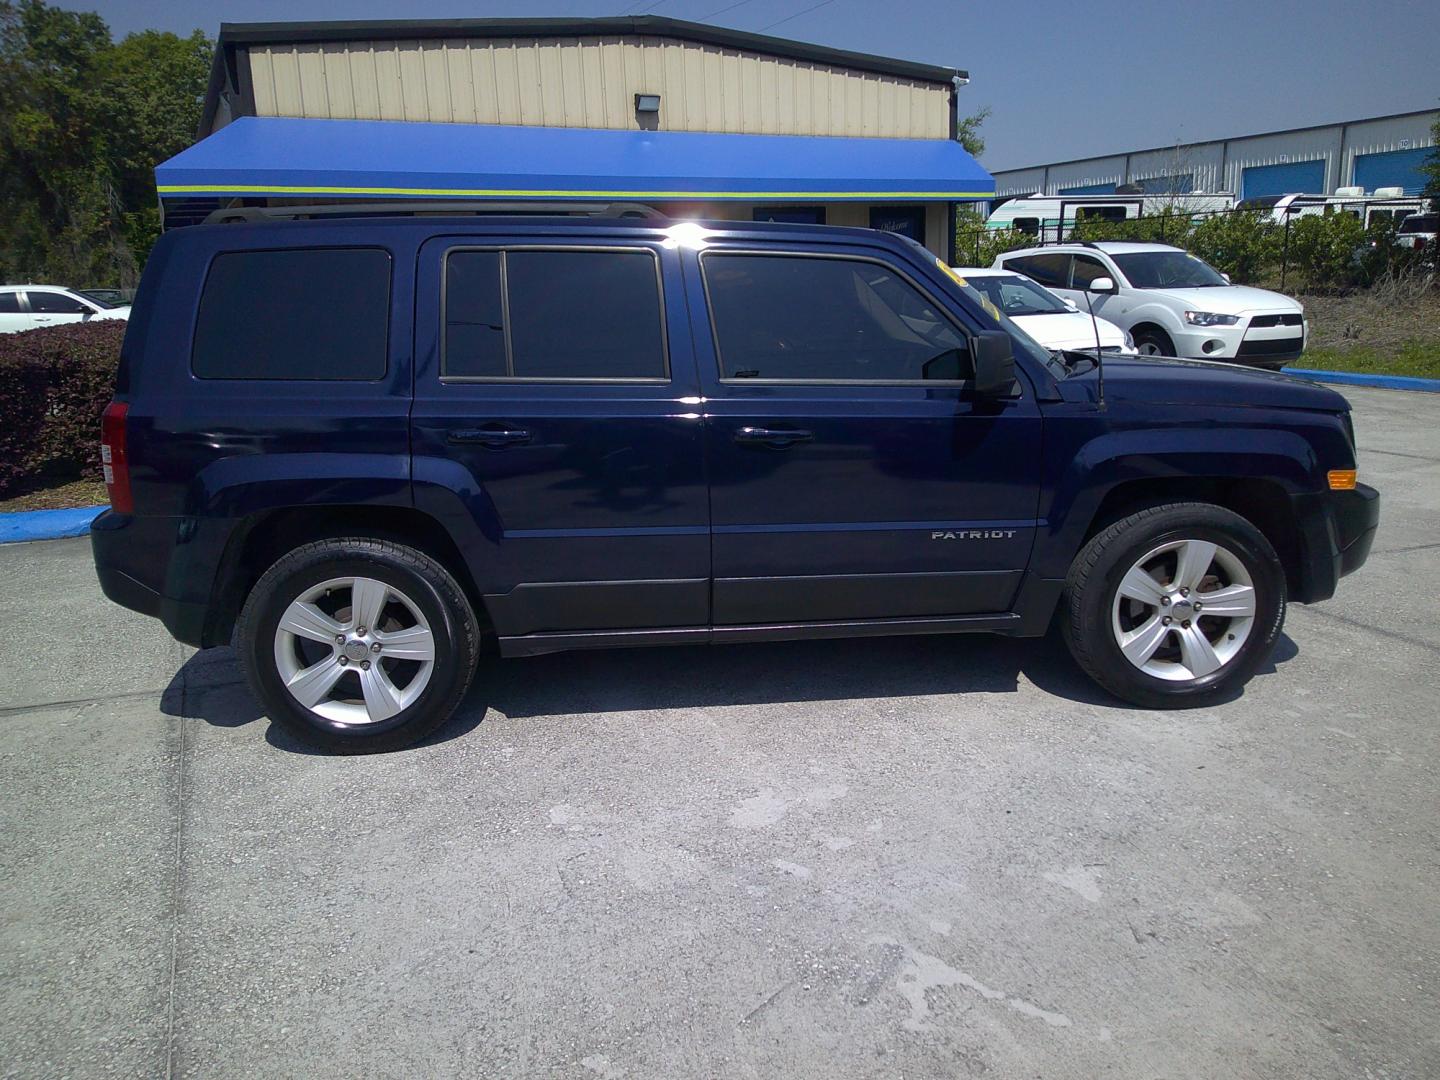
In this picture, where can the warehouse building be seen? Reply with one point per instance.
(1383, 151)
(696, 120)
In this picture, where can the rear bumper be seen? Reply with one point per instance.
(121, 561)
(1337, 529)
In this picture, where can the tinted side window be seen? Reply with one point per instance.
(9, 303)
(318, 313)
(585, 315)
(1087, 269)
(828, 320)
(54, 303)
(553, 315)
(1049, 268)
(474, 315)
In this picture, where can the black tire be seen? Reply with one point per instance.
(422, 581)
(1089, 601)
(1155, 338)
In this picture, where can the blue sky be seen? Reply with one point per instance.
(1064, 80)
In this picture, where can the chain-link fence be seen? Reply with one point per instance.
(1305, 250)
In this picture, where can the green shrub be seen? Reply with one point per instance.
(54, 384)
(977, 246)
(1244, 245)
(1167, 227)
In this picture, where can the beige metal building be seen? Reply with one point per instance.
(784, 112)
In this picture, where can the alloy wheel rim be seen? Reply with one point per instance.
(1149, 348)
(354, 650)
(1184, 610)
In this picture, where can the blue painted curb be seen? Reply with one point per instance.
(46, 524)
(1355, 378)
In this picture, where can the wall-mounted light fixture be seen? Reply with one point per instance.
(647, 103)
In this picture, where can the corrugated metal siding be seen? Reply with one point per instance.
(1336, 145)
(1293, 148)
(1101, 172)
(591, 82)
(1201, 163)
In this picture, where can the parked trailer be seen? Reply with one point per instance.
(1053, 217)
(1382, 204)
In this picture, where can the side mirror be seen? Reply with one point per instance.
(1102, 285)
(1227, 278)
(994, 364)
(1070, 303)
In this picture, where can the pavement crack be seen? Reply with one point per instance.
(1398, 453)
(766, 1002)
(1356, 624)
(178, 883)
(101, 699)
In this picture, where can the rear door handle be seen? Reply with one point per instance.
(496, 438)
(779, 438)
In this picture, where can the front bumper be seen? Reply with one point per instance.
(1259, 346)
(1337, 529)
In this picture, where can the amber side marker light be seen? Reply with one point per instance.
(1341, 479)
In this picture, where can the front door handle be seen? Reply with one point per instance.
(497, 438)
(779, 438)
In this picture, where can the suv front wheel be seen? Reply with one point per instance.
(358, 645)
(1175, 605)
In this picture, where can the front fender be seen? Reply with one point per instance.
(1182, 456)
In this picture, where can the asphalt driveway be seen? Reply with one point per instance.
(920, 857)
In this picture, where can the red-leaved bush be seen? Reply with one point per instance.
(54, 384)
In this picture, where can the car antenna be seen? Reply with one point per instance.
(1099, 364)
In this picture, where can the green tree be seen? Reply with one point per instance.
(83, 122)
(967, 132)
(1431, 168)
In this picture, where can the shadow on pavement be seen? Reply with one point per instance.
(209, 686)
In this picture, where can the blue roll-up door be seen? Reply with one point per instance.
(1295, 177)
(1089, 189)
(1392, 168)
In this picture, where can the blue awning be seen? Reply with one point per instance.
(282, 157)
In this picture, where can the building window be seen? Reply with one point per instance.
(790, 215)
(312, 314)
(905, 220)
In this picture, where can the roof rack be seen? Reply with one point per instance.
(435, 208)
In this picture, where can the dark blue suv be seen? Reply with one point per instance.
(359, 447)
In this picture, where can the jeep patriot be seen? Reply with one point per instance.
(357, 447)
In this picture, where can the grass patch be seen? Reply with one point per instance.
(1392, 329)
(55, 495)
(1420, 359)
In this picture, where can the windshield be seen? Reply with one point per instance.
(1167, 270)
(1016, 295)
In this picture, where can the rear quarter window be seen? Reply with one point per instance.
(316, 313)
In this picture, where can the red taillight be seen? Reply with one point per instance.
(113, 459)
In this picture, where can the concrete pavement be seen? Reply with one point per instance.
(904, 857)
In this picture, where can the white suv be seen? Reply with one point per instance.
(1172, 303)
(25, 307)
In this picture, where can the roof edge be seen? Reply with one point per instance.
(1224, 139)
(278, 33)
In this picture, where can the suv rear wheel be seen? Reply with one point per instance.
(1175, 605)
(358, 645)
